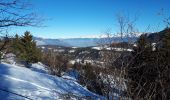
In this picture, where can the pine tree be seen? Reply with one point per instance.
(16, 45)
(25, 48)
(31, 54)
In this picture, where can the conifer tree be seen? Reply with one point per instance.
(16, 45)
(25, 48)
(31, 54)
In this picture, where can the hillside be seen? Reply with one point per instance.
(23, 83)
(157, 36)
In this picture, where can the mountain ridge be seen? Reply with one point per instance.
(79, 42)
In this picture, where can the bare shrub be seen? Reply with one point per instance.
(57, 63)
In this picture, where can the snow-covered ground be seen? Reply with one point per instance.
(111, 48)
(18, 83)
(85, 61)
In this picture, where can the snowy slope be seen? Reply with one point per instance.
(23, 83)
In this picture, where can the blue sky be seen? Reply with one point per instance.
(76, 18)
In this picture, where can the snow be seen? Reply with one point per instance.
(68, 77)
(119, 49)
(74, 47)
(42, 47)
(9, 57)
(71, 75)
(75, 60)
(84, 61)
(153, 46)
(58, 50)
(71, 51)
(111, 48)
(39, 67)
(97, 48)
(35, 83)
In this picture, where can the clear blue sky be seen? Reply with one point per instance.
(75, 18)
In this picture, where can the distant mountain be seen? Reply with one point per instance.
(158, 36)
(79, 42)
(42, 41)
(87, 42)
